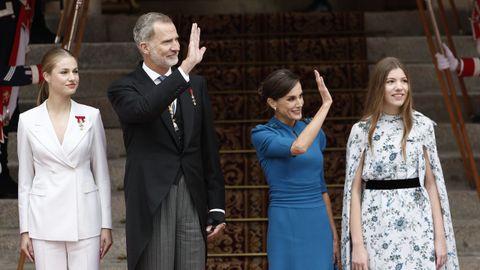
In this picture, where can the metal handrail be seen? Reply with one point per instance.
(449, 94)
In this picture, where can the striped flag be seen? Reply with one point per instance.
(9, 94)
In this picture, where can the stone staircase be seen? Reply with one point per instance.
(109, 53)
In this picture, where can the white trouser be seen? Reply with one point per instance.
(59, 255)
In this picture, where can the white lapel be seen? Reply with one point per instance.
(79, 122)
(42, 129)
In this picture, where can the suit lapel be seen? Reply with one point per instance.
(188, 115)
(42, 129)
(146, 84)
(76, 128)
(167, 121)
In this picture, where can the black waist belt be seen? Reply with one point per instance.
(393, 184)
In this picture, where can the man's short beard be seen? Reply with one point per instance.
(167, 62)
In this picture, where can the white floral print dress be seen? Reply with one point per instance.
(397, 224)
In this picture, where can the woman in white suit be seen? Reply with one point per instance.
(64, 184)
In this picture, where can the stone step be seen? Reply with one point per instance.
(466, 234)
(454, 172)
(407, 22)
(413, 49)
(398, 23)
(470, 262)
(445, 138)
(118, 28)
(433, 106)
(464, 204)
(97, 56)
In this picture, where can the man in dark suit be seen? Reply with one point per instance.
(174, 189)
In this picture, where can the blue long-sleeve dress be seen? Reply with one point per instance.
(299, 232)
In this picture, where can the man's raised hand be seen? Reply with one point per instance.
(195, 52)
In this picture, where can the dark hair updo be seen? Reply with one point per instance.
(277, 84)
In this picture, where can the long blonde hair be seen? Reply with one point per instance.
(49, 60)
(375, 96)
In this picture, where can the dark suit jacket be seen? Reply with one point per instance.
(154, 158)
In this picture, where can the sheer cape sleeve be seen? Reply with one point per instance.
(356, 145)
(424, 127)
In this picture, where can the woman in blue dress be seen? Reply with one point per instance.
(301, 230)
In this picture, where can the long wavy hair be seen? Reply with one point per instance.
(49, 60)
(375, 98)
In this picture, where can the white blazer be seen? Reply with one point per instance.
(63, 189)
